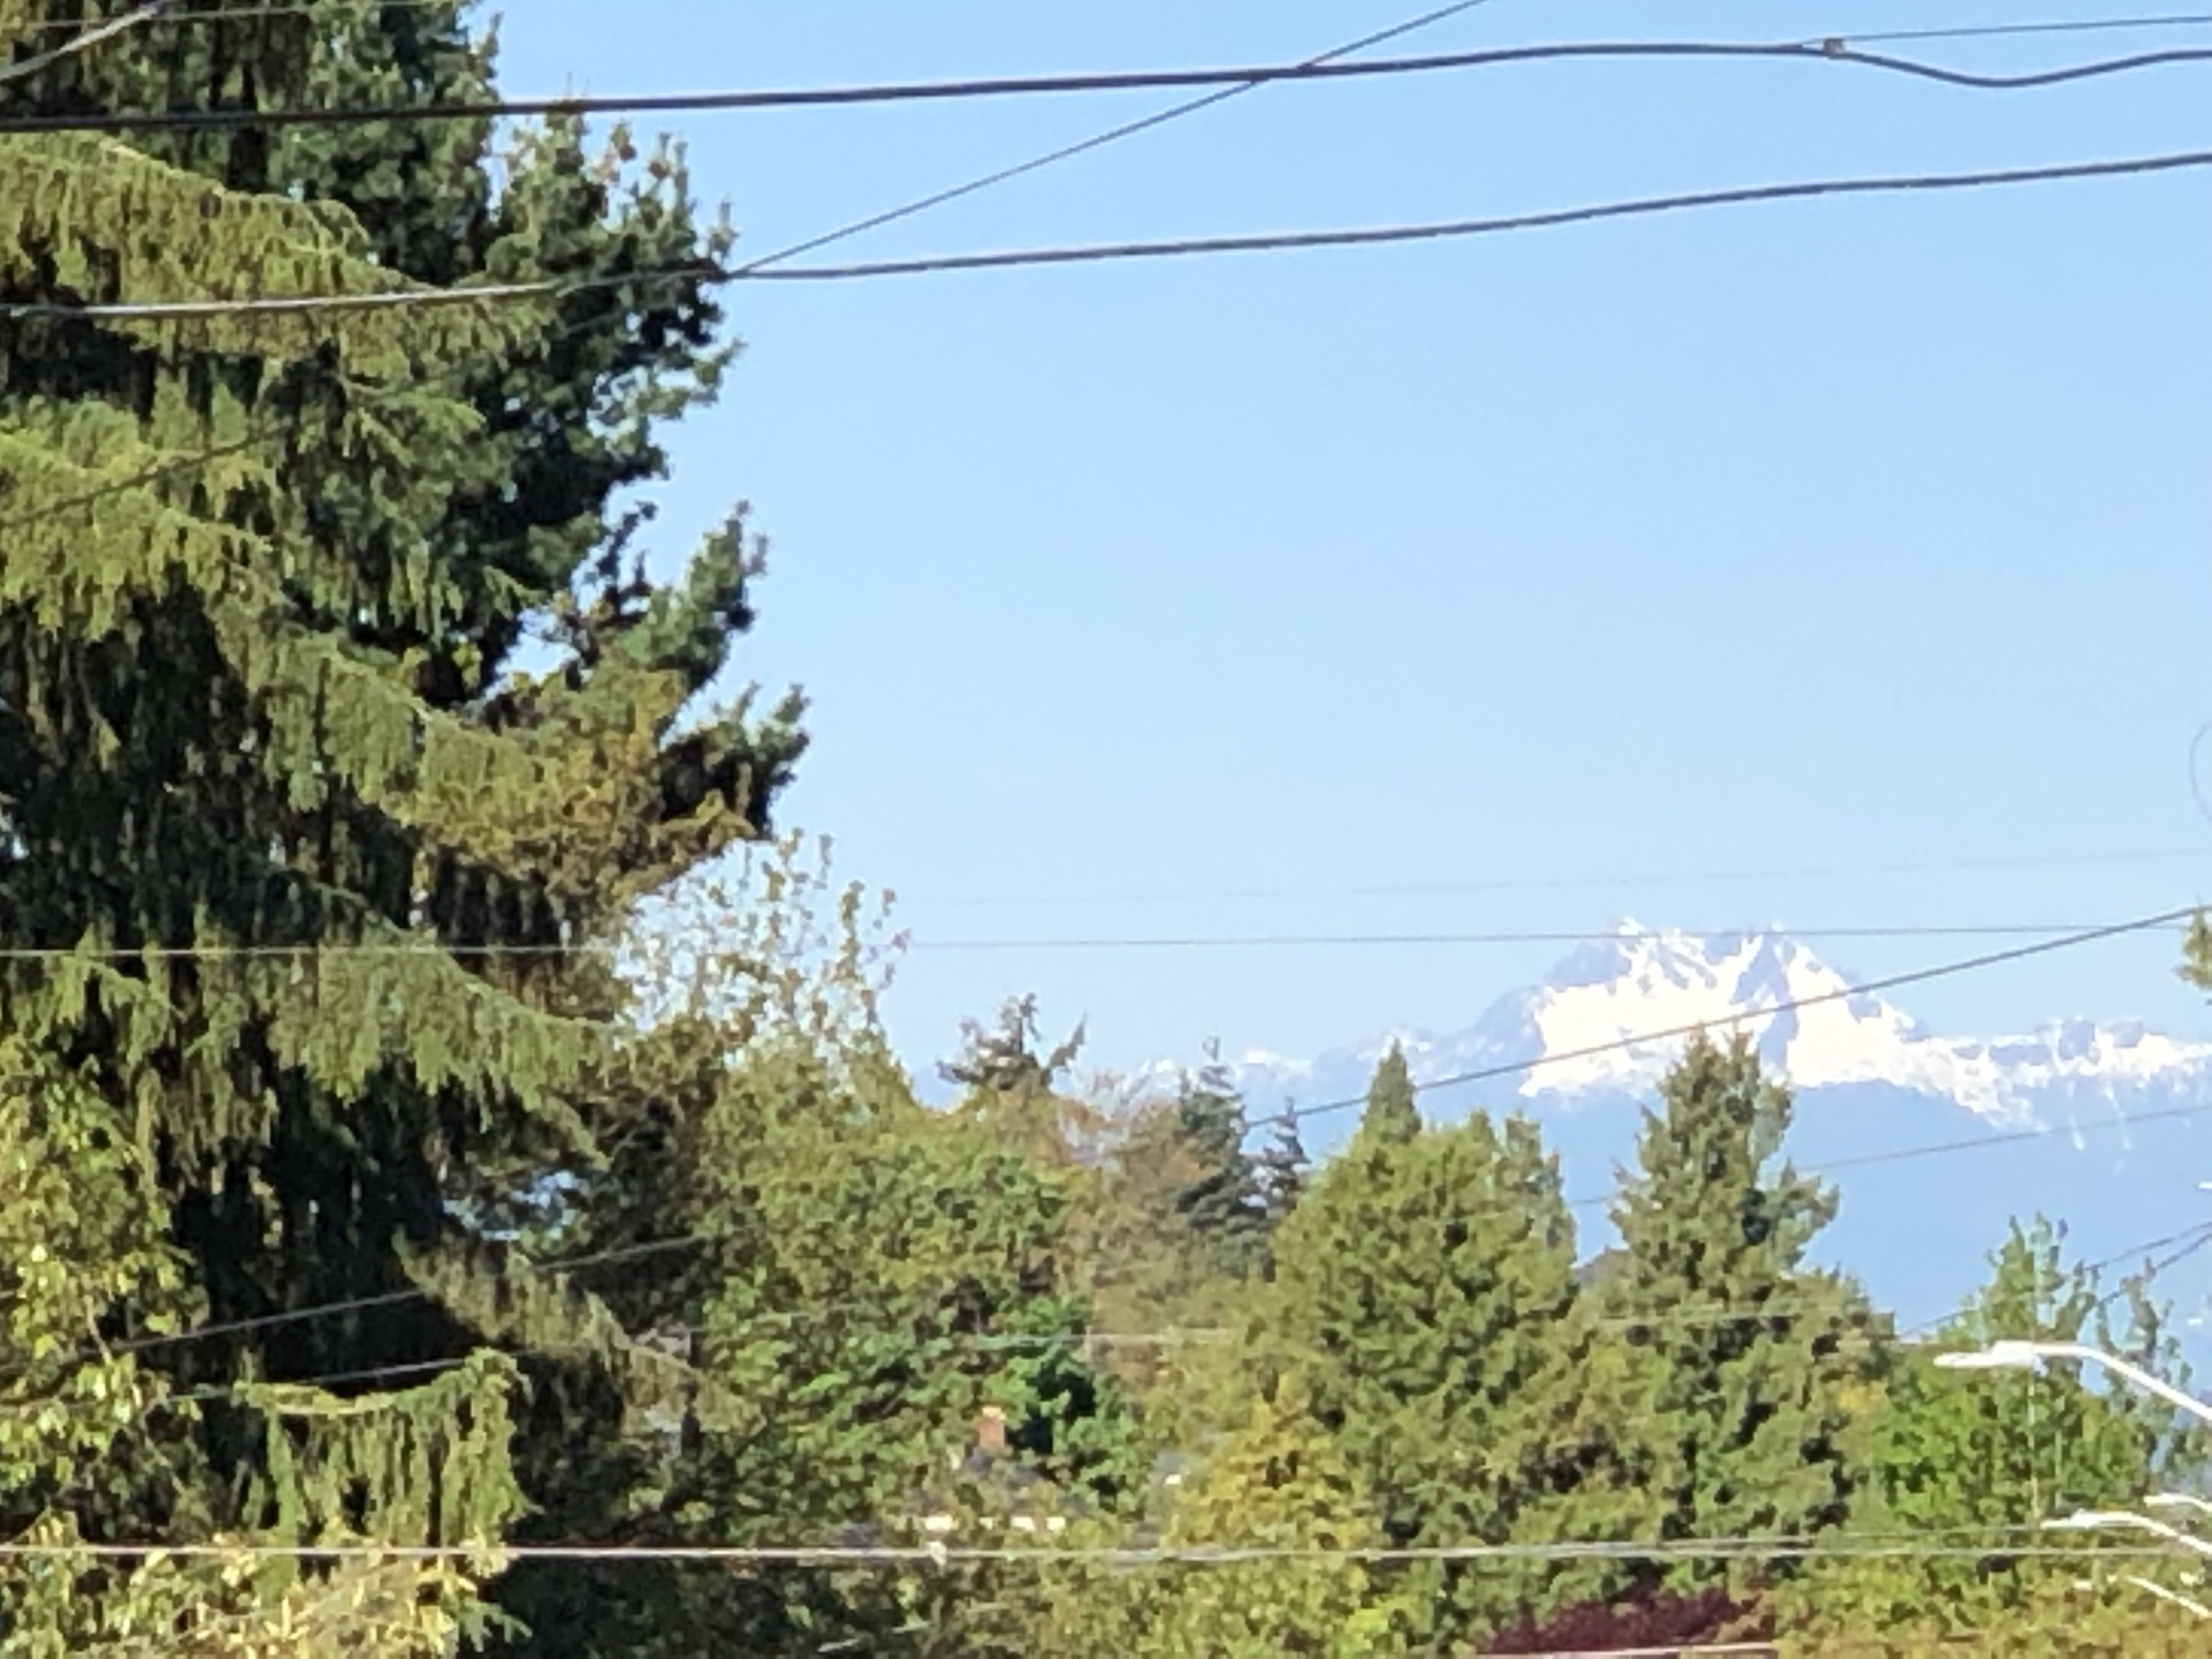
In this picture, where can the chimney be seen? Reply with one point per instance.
(991, 1432)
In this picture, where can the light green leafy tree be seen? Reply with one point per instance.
(852, 1281)
(83, 1426)
(1979, 1461)
(1276, 1481)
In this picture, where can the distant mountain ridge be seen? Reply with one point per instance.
(1898, 1114)
(1642, 980)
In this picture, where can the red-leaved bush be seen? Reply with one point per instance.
(1658, 1621)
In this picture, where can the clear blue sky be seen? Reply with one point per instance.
(1585, 563)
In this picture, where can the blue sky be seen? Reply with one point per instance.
(1566, 570)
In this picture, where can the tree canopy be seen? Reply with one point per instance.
(457, 1191)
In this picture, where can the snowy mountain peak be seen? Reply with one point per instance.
(1575, 1030)
(1640, 981)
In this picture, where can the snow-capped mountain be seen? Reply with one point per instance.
(1936, 1141)
(1828, 1037)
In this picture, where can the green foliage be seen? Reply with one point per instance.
(287, 840)
(83, 1426)
(853, 1281)
(1985, 1459)
(374, 1179)
(1011, 1084)
(1391, 1113)
(1725, 1384)
(1283, 1170)
(1425, 1285)
(1278, 1482)
(1225, 1206)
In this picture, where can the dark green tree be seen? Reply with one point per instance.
(1283, 1169)
(1012, 1082)
(1726, 1371)
(1225, 1207)
(290, 843)
(1425, 1292)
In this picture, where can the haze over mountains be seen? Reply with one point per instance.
(2102, 1126)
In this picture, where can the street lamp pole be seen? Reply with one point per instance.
(2115, 1520)
(2022, 1356)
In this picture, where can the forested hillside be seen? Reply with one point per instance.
(411, 1244)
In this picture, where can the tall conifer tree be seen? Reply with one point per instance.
(291, 849)
(1425, 1286)
(1391, 1113)
(1731, 1364)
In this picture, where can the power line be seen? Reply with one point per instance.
(1968, 1143)
(2006, 1137)
(1995, 30)
(397, 299)
(2167, 855)
(341, 950)
(1643, 207)
(1334, 67)
(170, 17)
(1096, 253)
(690, 1241)
(2191, 1239)
(83, 42)
(1916, 976)
(1317, 941)
(1798, 1548)
(1084, 146)
(366, 1304)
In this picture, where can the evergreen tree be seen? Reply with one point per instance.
(81, 1238)
(1223, 1207)
(1425, 1289)
(1726, 1370)
(298, 842)
(1391, 1113)
(1013, 1083)
(1283, 1166)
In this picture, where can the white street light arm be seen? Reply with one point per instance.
(2178, 1500)
(2150, 1586)
(2187, 1603)
(2109, 1520)
(2017, 1355)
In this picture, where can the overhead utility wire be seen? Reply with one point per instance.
(1926, 866)
(1323, 941)
(1796, 1548)
(1945, 1148)
(81, 43)
(915, 92)
(2189, 1239)
(690, 1241)
(1843, 994)
(1084, 146)
(431, 947)
(1645, 207)
(1998, 31)
(169, 16)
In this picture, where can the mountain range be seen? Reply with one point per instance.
(1934, 1141)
